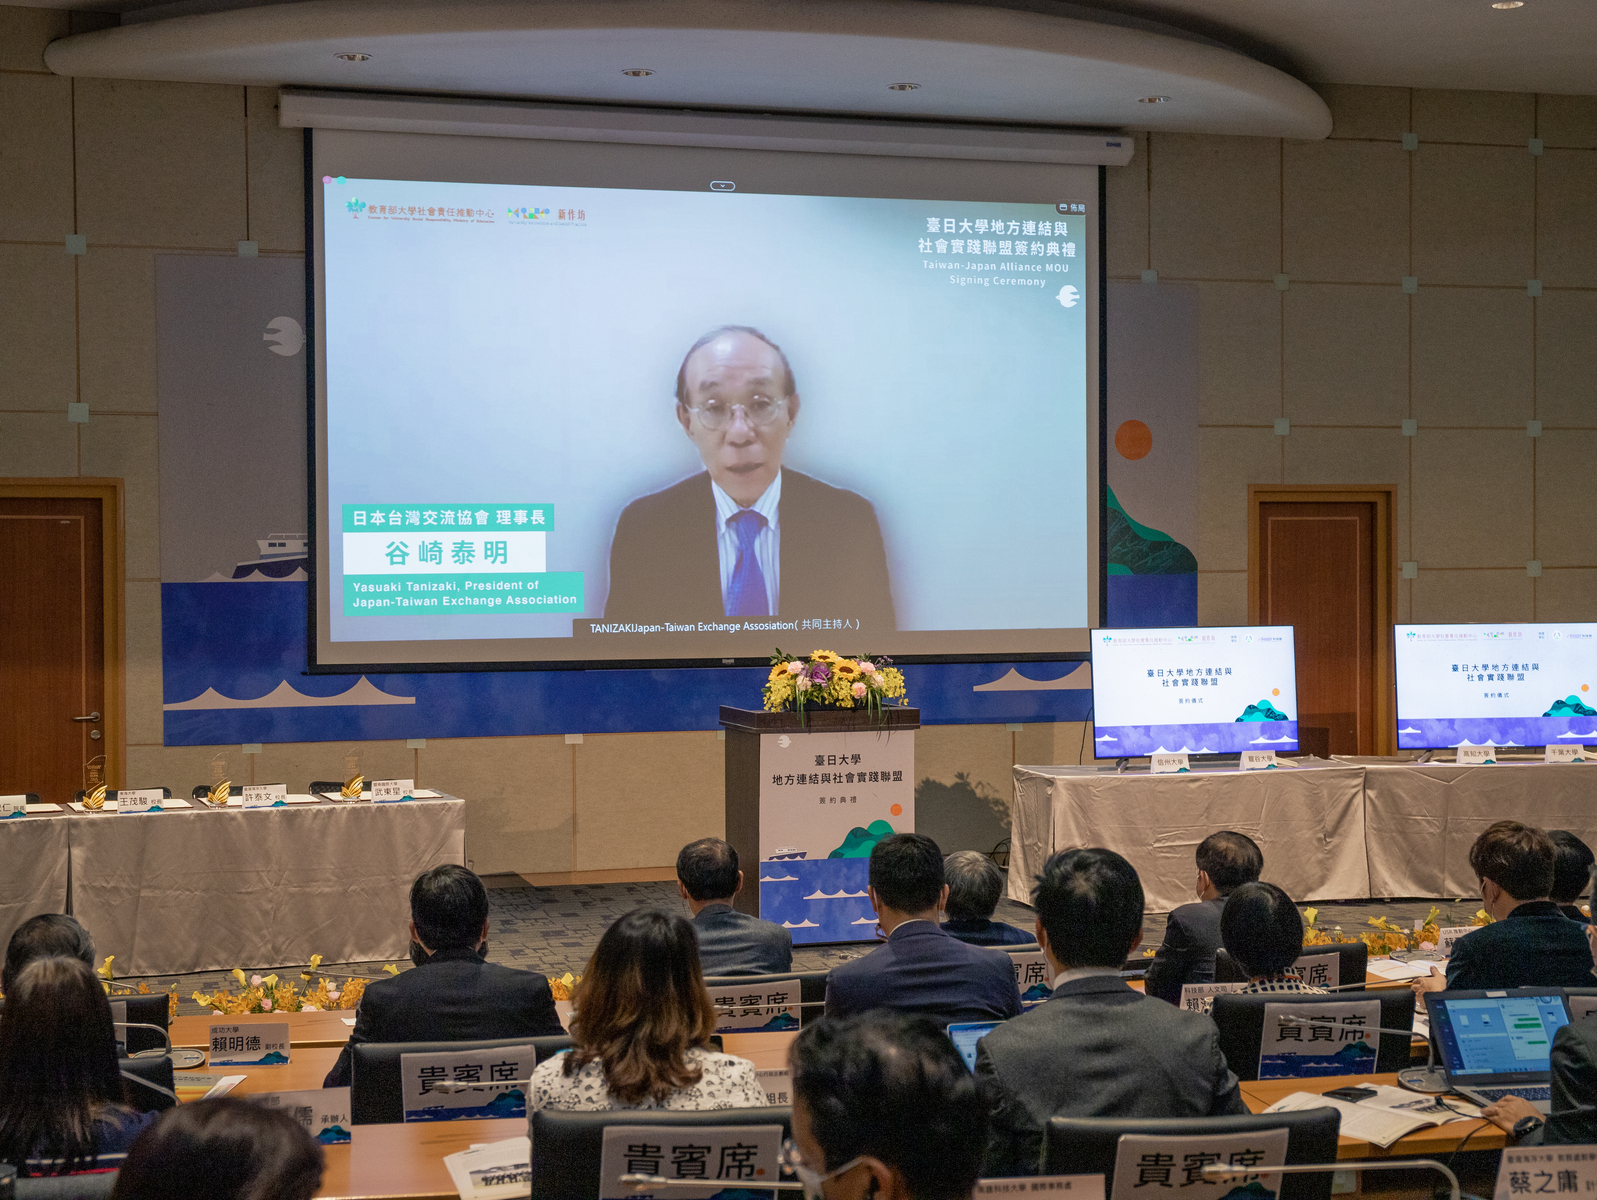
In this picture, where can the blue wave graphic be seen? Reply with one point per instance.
(1418, 734)
(1218, 737)
(829, 919)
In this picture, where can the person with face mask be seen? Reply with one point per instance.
(452, 995)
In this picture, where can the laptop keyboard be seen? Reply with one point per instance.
(1532, 1093)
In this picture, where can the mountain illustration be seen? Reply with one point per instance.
(1249, 1191)
(783, 1022)
(507, 1104)
(273, 1058)
(1359, 1049)
(333, 1135)
(1036, 993)
(860, 842)
(1570, 706)
(1136, 549)
(1263, 711)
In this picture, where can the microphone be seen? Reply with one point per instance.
(166, 1037)
(1429, 1079)
(639, 1182)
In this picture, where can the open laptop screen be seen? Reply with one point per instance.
(1484, 1033)
(966, 1036)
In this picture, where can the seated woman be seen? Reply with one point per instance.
(223, 1149)
(1262, 931)
(61, 1110)
(642, 1027)
(975, 885)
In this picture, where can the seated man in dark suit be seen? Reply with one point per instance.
(1529, 943)
(974, 886)
(452, 995)
(1572, 866)
(1096, 1048)
(746, 538)
(730, 942)
(1226, 861)
(920, 968)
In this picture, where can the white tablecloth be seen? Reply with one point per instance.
(33, 871)
(1308, 820)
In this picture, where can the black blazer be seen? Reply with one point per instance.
(988, 933)
(664, 563)
(1191, 937)
(734, 943)
(1535, 946)
(455, 997)
(1573, 1119)
(921, 969)
(1097, 1049)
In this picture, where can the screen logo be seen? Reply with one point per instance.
(1068, 296)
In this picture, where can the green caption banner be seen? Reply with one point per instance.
(369, 518)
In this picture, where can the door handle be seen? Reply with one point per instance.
(93, 716)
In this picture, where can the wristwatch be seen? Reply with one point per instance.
(1526, 1125)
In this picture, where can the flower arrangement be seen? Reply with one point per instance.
(1386, 937)
(105, 971)
(564, 987)
(828, 680)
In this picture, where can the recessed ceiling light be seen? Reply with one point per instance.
(1153, 100)
(1508, 3)
(637, 72)
(352, 56)
(903, 87)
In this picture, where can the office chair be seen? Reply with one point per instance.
(1241, 1022)
(812, 988)
(376, 1095)
(1353, 968)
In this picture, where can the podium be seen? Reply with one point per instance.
(805, 805)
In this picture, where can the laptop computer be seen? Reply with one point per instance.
(1498, 1043)
(966, 1036)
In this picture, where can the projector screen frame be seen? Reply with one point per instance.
(1097, 616)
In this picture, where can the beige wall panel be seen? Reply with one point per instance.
(1471, 500)
(1566, 462)
(1366, 112)
(143, 606)
(1448, 596)
(1126, 213)
(1346, 354)
(1470, 215)
(1566, 595)
(1496, 118)
(125, 448)
(298, 763)
(518, 799)
(25, 32)
(642, 796)
(1229, 460)
(980, 751)
(176, 767)
(1239, 353)
(117, 329)
(1566, 242)
(277, 176)
(1356, 458)
(1566, 358)
(1473, 357)
(1345, 211)
(1072, 741)
(1222, 598)
(38, 445)
(1567, 120)
(37, 355)
(35, 158)
(160, 164)
(963, 782)
(1215, 206)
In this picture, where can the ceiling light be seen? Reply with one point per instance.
(902, 87)
(1153, 100)
(637, 72)
(352, 56)
(1508, 3)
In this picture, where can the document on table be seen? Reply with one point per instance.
(191, 1087)
(1390, 968)
(485, 1172)
(1383, 1118)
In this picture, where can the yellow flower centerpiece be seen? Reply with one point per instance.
(828, 680)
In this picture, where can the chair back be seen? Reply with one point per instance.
(376, 1091)
(568, 1146)
(1353, 961)
(1243, 1034)
(156, 1070)
(1090, 1145)
(153, 1009)
(812, 988)
(95, 1186)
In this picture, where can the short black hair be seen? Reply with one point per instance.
(1090, 902)
(1572, 863)
(974, 885)
(708, 868)
(1517, 858)
(48, 935)
(907, 872)
(449, 905)
(1261, 929)
(788, 386)
(892, 1086)
(1229, 860)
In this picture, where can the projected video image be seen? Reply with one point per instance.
(630, 419)
(1194, 691)
(1497, 685)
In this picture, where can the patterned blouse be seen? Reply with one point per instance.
(1290, 983)
(726, 1082)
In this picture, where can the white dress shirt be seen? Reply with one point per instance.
(767, 543)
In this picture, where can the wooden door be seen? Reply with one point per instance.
(52, 646)
(1317, 573)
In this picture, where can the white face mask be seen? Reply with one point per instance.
(808, 1176)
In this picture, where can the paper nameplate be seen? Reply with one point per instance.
(1331, 1041)
(565, 1010)
(740, 1155)
(498, 1169)
(1167, 764)
(1446, 937)
(249, 1045)
(264, 795)
(1144, 1162)
(1546, 1170)
(1319, 970)
(13, 806)
(777, 1084)
(139, 800)
(392, 789)
(323, 1112)
(1566, 754)
(1581, 1007)
(1033, 976)
(766, 1008)
(1476, 756)
(1258, 760)
(1078, 1187)
(494, 1076)
(1199, 997)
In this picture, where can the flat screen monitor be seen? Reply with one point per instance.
(1217, 690)
(1498, 685)
(967, 1035)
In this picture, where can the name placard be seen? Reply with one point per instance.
(1144, 1162)
(1546, 1171)
(1446, 937)
(265, 795)
(777, 1084)
(1476, 756)
(725, 1157)
(1199, 997)
(392, 789)
(497, 1170)
(1566, 754)
(1167, 764)
(1079, 1187)
(766, 1008)
(13, 806)
(263, 1045)
(1318, 970)
(1259, 760)
(1033, 976)
(492, 1074)
(1336, 1038)
(139, 800)
(323, 1112)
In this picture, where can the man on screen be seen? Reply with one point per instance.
(747, 538)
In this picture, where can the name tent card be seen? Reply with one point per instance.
(324, 1112)
(1566, 754)
(1078, 1187)
(766, 1008)
(13, 806)
(1546, 1171)
(1167, 764)
(249, 1045)
(265, 795)
(499, 1169)
(139, 800)
(742, 1156)
(1476, 756)
(1033, 976)
(392, 789)
(1199, 997)
(1319, 970)
(1335, 1038)
(1446, 937)
(1259, 760)
(1147, 1165)
(777, 1084)
(1581, 1007)
(492, 1075)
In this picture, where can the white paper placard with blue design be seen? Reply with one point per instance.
(139, 800)
(324, 1112)
(761, 1008)
(1199, 997)
(263, 1045)
(1449, 934)
(496, 1171)
(492, 1075)
(777, 1084)
(1050, 1187)
(1173, 1166)
(1033, 976)
(390, 790)
(1533, 1171)
(826, 799)
(265, 795)
(1319, 970)
(1564, 754)
(13, 806)
(1335, 1038)
(733, 1160)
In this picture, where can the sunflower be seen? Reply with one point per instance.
(825, 656)
(845, 668)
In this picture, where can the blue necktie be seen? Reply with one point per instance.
(746, 596)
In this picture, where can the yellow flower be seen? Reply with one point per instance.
(239, 975)
(391, 969)
(844, 667)
(1309, 914)
(105, 967)
(825, 656)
